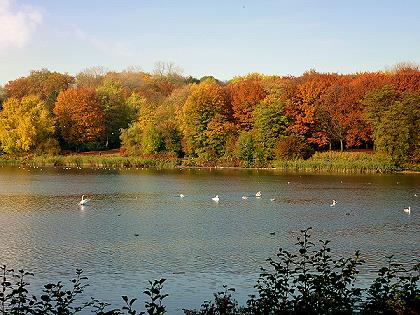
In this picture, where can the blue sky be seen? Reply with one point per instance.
(220, 38)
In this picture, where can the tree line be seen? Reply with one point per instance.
(253, 119)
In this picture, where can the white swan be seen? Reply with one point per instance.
(181, 195)
(244, 197)
(216, 198)
(407, 210)
(272, 199)
(333, 203)
(84, 201)
(258, 194)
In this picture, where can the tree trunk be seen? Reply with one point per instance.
(341, 145)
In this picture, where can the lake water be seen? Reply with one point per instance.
(137, 228)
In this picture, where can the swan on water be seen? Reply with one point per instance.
(407, 210)
(181, 195)
(333, 203)
(258, 194)
(84, 201)
(216, 198)
(272, 199)
(244, 197)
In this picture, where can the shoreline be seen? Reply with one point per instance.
(327, 162)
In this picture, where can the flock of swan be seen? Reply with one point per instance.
(257, 195)
(86, 201)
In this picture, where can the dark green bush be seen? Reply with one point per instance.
(58, 300)
(312, 281)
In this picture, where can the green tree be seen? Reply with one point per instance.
(152, 141)
(131, 139)
(26, 125)
(395, 117)
(245, 148)
(118, 111)
(142, 136)
(270, 124)
(205, 109)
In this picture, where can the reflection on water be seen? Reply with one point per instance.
(138, 228)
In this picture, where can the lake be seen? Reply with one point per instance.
(137, 228)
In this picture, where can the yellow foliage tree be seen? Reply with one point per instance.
(204, 112)
(26, 125)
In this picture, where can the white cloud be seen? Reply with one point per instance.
(17, 24)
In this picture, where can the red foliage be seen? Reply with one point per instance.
(245, 95)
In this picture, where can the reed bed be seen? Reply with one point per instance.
(341, 162)
(337, 162)
(91, 161)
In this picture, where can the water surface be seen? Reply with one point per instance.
(137, 228)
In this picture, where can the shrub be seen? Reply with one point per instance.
(56, 299)
(292, 147)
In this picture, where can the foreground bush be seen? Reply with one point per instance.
(307, 281)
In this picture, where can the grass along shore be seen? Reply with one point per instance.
(330, 162)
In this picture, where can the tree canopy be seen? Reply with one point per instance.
(251, 119)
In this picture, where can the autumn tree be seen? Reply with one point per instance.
(80, 118)
(168, 119)
(206, 120)
(303, 96)
(119, 112)
(395, 117)
(131, 79)
(359, 130)
(406, 77)
(27, 126)
(339, 112)
(42, 83)
(91, 77)
(245, 93)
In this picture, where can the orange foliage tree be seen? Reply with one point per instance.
(303, 95)
(245, 93)
(42, 83)
(406, 78)
(359, 130)
(80, 118)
